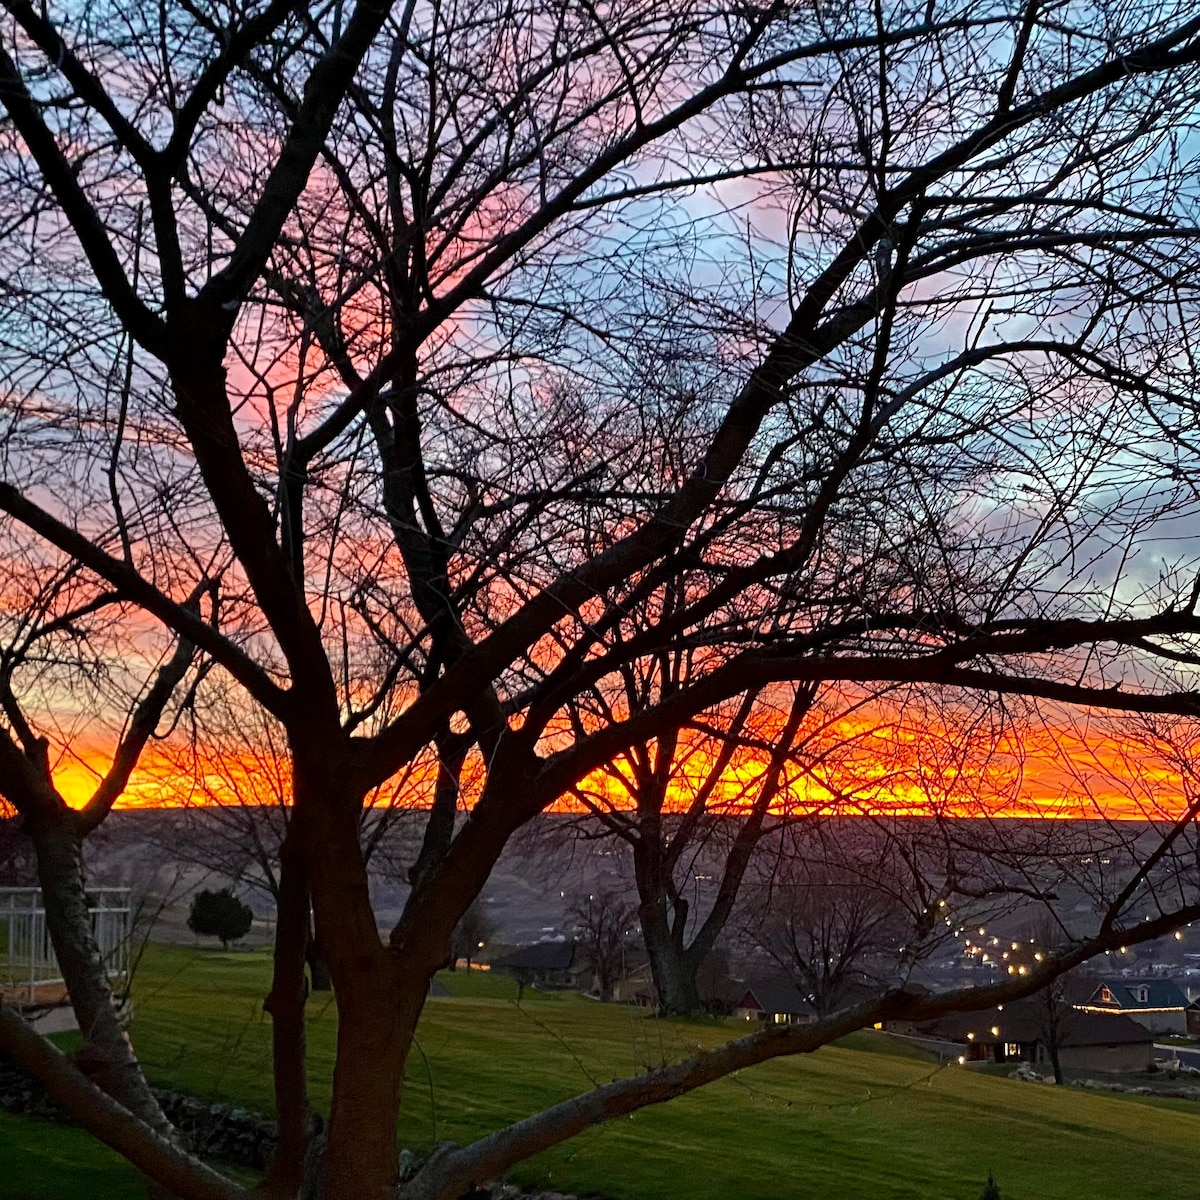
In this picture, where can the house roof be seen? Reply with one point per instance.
(1127, 993)
(1028, 1021)
(775, 996)
(541, 956)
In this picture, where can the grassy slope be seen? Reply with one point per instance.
(43, 1161)
(858, 1120)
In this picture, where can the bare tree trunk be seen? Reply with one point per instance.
(107, 1056)
(1054, 1061)
(378, 1001)
(671, 967)
(375, 1028)
(1054, 1031)
(286, 1003)
(318, 971)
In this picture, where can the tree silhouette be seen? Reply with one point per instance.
(221, 915)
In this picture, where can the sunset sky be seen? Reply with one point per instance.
(1074, 769)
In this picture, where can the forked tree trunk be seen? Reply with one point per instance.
(378, 1002)
(107, 1056)
(671, 967)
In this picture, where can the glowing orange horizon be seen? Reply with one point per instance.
(1058, 774)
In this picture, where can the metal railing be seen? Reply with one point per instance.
(29, 970)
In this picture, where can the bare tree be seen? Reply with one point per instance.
(835, 927)
(449, 348)
(62, 636)
(231, 779)
(605, 926)
(676, 803)
(472, 933)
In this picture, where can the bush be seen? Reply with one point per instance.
(221, 915)
(991, 1190)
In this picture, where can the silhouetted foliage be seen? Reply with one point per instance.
(221, 915)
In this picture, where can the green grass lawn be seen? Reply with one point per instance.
(863, 1119)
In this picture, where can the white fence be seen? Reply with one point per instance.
(29, 970)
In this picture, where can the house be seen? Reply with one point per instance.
(1158, 1004)
(1022, 1032)
(1192, 1014)
(776, 1001)
(718, 992)
(545, 963)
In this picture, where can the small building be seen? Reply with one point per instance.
(1023, 1031)
(1158, 1004)
(775, 1001)
(546, 963)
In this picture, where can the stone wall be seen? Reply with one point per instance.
(224, 1131)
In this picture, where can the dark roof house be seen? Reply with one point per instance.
(1022, 1032)
(1158, 1004)
(777, 1000)
(542, 962)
